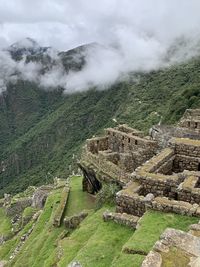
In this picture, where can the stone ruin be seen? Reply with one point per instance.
(159, 172)
(113, 157)
(176, 248)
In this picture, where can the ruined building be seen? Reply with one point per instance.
(113, 157)
(160, 171)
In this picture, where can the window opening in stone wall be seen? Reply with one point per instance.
(129, 140)
(189, 124)
(136, 142)
(199, 167)
(195, 125)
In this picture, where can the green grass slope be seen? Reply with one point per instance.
(93, 243)
(152, 226)
(78, 200)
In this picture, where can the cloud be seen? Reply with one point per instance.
(137, 35)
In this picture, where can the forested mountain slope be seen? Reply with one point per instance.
(41, 130)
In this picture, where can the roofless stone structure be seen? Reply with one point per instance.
(159, 172)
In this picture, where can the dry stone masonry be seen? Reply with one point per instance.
(159, 172)
(186, 247)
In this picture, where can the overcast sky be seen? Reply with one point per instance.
(137, 36)
(66, 23)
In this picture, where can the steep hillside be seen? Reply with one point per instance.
(21, 107)
(43, 130)
(93, 243)
(48, 147)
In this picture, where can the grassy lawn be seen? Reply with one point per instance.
(42, 242)
(104, 245)
(9, 246)
(151, 227)
(5, 223)
(127, 260)
(78, 200)
(95, 243)
(79, 237)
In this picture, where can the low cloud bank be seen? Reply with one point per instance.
(135, 36)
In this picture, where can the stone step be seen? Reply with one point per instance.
(121, 218)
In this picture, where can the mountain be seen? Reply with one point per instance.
(42, 131)
(25, 47)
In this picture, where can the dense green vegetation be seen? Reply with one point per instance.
(48, 128)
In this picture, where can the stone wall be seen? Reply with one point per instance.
(191, 119)
(121, 218)
(171, 241)
(61, 207)
(137, 205)
(158, 184)
(131, 204)
(189, 190)
(126, 142)
(100, 164)
(182, 163)
(179, 207)
(113, 157)
(18, 206)
(126, 129)
(97, 144)
(186, 147)
(167, 167)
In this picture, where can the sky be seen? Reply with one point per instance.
(66, 23)
(137, 33)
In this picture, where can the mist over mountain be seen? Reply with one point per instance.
(86, 66)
